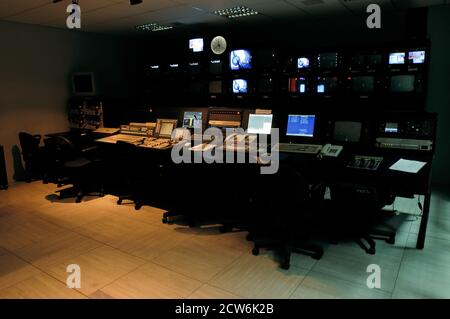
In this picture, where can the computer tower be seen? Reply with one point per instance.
(3, 178)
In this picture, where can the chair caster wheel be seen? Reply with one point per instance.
(119, 202)
(285, 266)
(78, 200)
(165, 220)
(391, 240)
(137, 206)
(317, 255)
(249, 237)
(371, 251)
(255, 251)
(224, 229)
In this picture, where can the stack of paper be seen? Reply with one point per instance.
(407, 166)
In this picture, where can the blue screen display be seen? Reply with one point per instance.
(240, 60)
(240, 86)
(300, 125)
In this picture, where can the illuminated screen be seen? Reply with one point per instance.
(196, 45)
(240, 86)
(402, 83)
(391, 128)
(397, 58)
(215, 87)
(327, 60)
(302, 63)
(345, 131)
(363, 84)
(326, 84)
(240, 60)
(259, 123)
(416, 57)
(297, 85)
(192, 119)
(166, 129)
(300, 125)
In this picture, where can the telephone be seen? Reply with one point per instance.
(331, 150)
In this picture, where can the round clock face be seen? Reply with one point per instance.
(218, 45)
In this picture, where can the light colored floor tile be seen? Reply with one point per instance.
(152, 281)
(41, 286)
(322, 286)
(56, 249)
(14, 270)
(197, 258)
(259, 277)
(209, 292)
(438, 228)
(99, 267)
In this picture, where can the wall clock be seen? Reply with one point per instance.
(218, 45)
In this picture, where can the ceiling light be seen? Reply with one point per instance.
(153, 27)
(236, 12)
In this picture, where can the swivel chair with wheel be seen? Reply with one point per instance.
(32, 155)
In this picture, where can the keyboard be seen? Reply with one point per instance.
(300, 148)
(121, 137)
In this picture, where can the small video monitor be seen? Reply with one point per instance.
(374, 59)
(363, 84)
(194, 68)
(240, 60)
(397, 58)
(391, 127)
(297, 85)
(347, 131)
(215, 66)
(327, 60)
(302, 63)
(259, 123)
(265, 85)
(266, 58)
(192, 119)
(215, 87)
(416, 57)
(196, 87)
(164, 127)
(403, 83)
(300, 125)
(240, 86)
(196, 45)
(358, 60)
(327, 84)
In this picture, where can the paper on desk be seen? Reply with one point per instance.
(407, 166)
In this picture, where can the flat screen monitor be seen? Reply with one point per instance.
(403, 83)
(364, 84)
(192, 119)
(240, 86)
(391, 127)
(397, 58)
(240, 60)
(164, 127)
(347, 131)
(297, 85)
(302, 63)
(327, 84)
(327, 60)
(265, 85)
(196, 45)
(300, 125)
(215, 66)
(416, 57)
(83, 84)
(215, 87)
(259, 123)
(374, 59)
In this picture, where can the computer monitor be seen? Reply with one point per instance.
(327, 84)
(192, 119)
(83, 84)
(240, 86)
(347, 131)
(215, 87)
(300, 125)
(327, 60)
(164, 127)
(302, 63)
(265, 85)
(196, 45)
(374, 59)
(397, 58)
(416, 57)
(259, 123)
(240, 60)
(297, 85)
(402, 83)
(364, 84)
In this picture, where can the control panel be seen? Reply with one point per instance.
(225, 118)
(365, 162)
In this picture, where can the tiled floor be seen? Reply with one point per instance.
(127, 254)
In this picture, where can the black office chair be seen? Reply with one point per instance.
(32, 155)
(282, 215)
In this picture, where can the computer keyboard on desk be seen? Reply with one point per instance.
(300, 148)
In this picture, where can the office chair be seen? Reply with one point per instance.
(32, 155)
(72, 166)
(282, 215)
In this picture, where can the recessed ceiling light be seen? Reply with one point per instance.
(236, 12)
(153, 27)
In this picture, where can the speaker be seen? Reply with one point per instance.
(3, 177)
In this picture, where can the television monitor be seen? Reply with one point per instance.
(391, 127)
(402, 83)
(374, 59)
(397, 58)
(240, 60)
(196, 87)
(302, 63)
(265, 85)
(192, 119)
(215, 87)
(196, 45)
(327, 84)
(347, 131)
(215, 66)
(327, 60)
(83, 84)
(297, 85)
(358, 60)
(300, 125)
(416, 57)
(194, 67)
(240, 86)
(259, 123)
(363, 83)
(266, 58)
